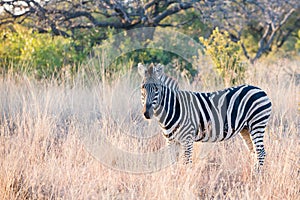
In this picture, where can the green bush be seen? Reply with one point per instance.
(226, 56)
(45, 55)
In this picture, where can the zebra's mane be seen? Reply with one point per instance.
(169, 81)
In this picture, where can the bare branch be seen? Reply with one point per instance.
(286, 16)
(171, 11)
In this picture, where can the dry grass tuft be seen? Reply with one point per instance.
(42, 155)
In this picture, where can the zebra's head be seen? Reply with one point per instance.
(151, 88)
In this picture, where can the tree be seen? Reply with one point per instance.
(62, 17)
(272, 21)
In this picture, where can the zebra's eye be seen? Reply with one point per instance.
(156, 89)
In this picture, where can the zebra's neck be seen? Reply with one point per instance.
(169, 82)
(168, 110)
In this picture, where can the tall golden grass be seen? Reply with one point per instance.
(42, 155)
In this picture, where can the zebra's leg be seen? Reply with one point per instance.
(257, 137)
(177, 148)
(245, 134)
(187, 152)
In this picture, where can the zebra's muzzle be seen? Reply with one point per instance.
(147, 115)
(148, 111)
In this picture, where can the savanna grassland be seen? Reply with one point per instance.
(43, 156)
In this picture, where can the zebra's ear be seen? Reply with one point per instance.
(142, 70)
(159, 70)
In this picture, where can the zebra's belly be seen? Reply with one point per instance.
(210, 134)
(214, 137)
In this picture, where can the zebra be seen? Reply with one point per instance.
(187, 117)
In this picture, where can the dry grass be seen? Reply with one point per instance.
(43, 156)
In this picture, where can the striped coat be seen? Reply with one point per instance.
(186, 117)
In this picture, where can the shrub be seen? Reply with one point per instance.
(44, 54)
(226, 56)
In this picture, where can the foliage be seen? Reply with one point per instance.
(226, 56)
(46, 55)
(68, 32)
(117, 50)
(260, 24)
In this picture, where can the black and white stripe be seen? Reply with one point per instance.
(187, 117)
